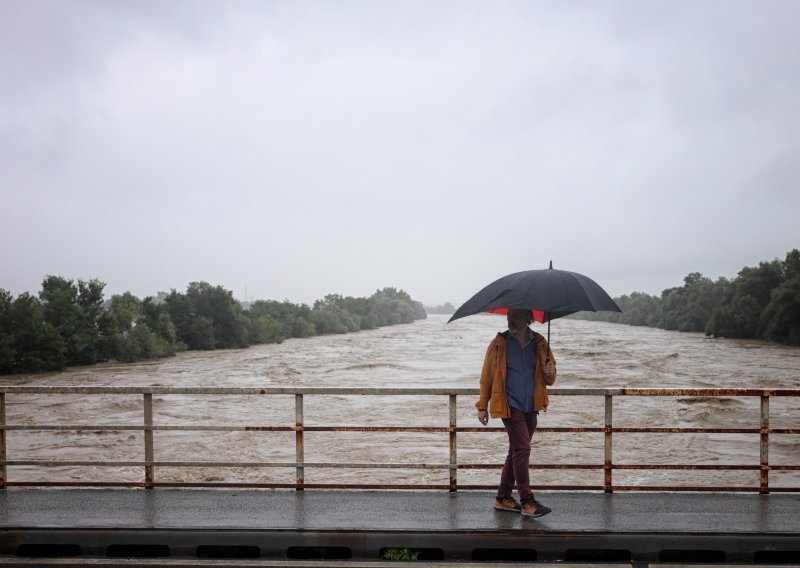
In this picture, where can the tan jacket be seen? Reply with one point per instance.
(493, 378)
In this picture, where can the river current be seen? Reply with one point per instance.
(427, 353)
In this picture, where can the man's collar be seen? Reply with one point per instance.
(508, 335)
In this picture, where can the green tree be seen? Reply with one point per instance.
(673, 305)
(6, 333)
(739, 311)
(781, 317)
(70, 323)
(37, 346)
(640, 310)
(123, 313)
(217, 305)
(74, 311)
(701, 297)
(292, 320)
(207, 317)
(791, 266)
(266, 329)
(193, 330)
(265, 322)
(90, 301)
(201, 335)
(302, 327)
(330, 315)
(156, 315)
(761, 302)
(759, 282)
(390, 306)
(689, 308)
(128, 327)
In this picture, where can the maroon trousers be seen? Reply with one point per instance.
(520, 429)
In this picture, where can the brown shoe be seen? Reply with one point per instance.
(532, 508)
(507, 504)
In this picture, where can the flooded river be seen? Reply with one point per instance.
(427, 353)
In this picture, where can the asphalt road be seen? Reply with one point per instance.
(395, 511)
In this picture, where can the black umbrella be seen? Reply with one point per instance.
(548, 293)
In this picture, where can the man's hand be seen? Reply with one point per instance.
(549, 370)
(483, 417)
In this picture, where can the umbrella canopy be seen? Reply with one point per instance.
(548, 293)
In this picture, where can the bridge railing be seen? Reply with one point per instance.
(149, 426)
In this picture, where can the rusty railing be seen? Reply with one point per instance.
(149, 427)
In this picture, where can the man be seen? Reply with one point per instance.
(516, 370)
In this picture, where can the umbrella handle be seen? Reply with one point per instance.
(547, 359)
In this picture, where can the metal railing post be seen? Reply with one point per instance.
(149, 473)
(453, 446)
(764, 485)
(3, 469)
(298, 411)
(607, 466)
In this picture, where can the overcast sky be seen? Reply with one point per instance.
(301, 148)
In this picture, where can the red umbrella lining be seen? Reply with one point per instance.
(536, 314)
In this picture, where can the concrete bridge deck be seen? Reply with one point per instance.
(264, 524)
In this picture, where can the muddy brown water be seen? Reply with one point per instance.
(428, 353)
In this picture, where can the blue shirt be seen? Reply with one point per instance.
(520, 370)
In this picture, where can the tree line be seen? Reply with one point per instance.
(70, 323)
(762, 302)
(446, 308)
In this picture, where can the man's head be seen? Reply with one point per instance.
(518, 320)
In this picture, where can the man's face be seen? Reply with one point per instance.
(518, 320)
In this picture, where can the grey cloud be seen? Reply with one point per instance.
(307, 147)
